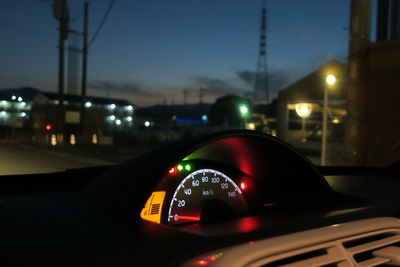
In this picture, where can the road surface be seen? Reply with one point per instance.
(24, 159)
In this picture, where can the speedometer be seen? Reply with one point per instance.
(204, 194)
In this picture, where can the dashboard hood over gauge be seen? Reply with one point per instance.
(276, 166)
(172, 204)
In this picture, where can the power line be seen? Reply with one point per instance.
(102, 22)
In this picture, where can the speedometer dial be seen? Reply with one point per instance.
(203, 191)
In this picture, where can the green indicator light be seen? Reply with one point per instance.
(187, 167)
(219, 255)
(180, 167)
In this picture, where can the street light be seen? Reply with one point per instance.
(330, 81)
(303, 110)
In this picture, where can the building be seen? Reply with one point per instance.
(372, 132)
(310, 90)
(32, 112)
(104, 115)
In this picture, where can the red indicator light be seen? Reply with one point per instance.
(243, 185)
(172, 170)
(213, 258)
(48, 127)
(202, 262)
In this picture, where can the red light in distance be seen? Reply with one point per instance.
(172, 170)
(243, 185)
(48, 127)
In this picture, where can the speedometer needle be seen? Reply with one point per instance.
(190, 218)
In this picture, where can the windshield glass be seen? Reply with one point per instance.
(88, 83)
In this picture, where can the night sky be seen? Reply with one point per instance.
(151, 49)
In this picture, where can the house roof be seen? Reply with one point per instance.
(92, 99)
(311, 86)
(27, 93)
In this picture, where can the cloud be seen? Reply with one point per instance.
(134, 88)
(216, 86)
(246, 76)
(276, 79)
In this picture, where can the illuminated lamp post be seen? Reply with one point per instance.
(303, 110)
(330, 81)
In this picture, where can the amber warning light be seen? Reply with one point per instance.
(153, 207)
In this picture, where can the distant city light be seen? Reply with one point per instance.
(88, 104)
(112, 117)
(204, 117)
(330, 79)
(129, 118)
(23, 114)
(19, 99)
(23, 104)
(147, 123)
(53, 140)
(250, 126)
(4, 102)
(118, 122)
(336, 120)
(94, 139)
(72, 139)
(113, 106)
(130, 107)
(13, 97)
(48, 127)
(3, 113)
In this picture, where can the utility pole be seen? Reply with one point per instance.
(60, 13)
(355, 132)
(185, 96)
(201, 95)
(261, 81)
(84, 70)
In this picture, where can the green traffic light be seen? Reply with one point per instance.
(243, 110)
(180, 167)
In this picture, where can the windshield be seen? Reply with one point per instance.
(89, 83)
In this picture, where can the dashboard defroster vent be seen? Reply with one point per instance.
(371, 242)
(375, 249)
(331, 256)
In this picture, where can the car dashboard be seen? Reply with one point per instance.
(195, 202)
